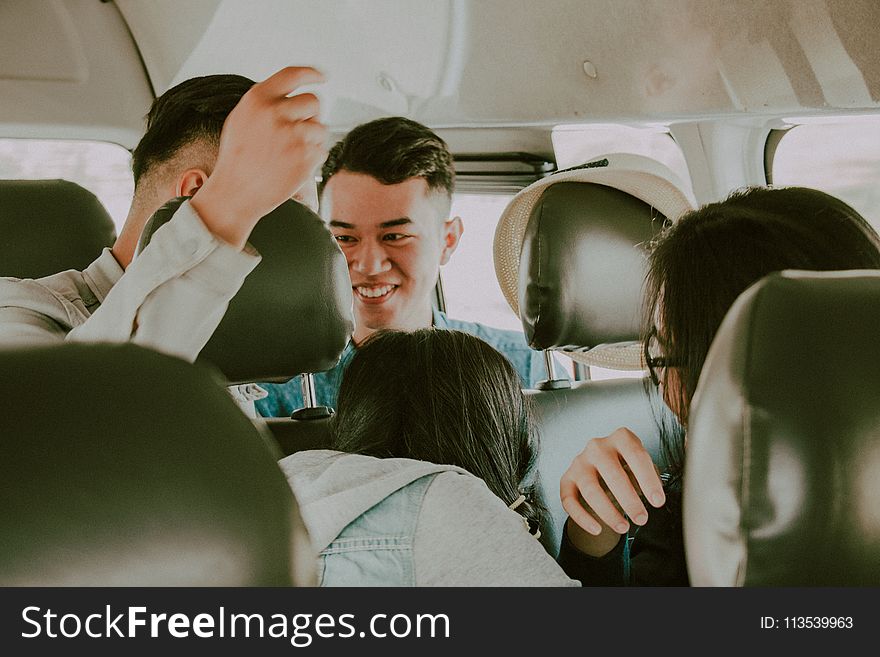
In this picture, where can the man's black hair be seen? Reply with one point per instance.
(188, 112)
(392, 150)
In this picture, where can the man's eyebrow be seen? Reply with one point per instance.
(385, 224)
(395, 222)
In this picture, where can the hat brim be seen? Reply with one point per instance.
(627, 356)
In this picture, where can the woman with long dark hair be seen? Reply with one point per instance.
(433, 478)
(697, 269)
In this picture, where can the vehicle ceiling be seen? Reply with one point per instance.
(85, 68)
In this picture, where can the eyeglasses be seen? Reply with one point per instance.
(654, 358)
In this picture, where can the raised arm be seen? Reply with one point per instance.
(173, 296)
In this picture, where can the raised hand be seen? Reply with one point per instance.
(271, 145)
(607, 480)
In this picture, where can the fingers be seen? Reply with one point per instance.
(313, 132)
(285, 81)
(642, 467)
(584, 497)
(603, 456)
(270, 145)
(625, 495)
(571, 502)
(605, 481)
(301, 107)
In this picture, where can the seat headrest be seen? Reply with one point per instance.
(49, 226)
(570, 254)
(782, 474)
(141, 472)
(293, 314)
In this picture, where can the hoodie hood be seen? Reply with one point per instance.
(334, 488)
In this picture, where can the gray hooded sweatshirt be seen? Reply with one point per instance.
(402, 522)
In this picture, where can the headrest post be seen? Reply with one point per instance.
(307, 381)
(552, 382)
(550, 365)
(582, 372)
(310, 409)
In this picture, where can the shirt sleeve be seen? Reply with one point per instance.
(24, 326)
(466, 536)
(657, 551)
(174, 294)
(654, 555)
(607, 570)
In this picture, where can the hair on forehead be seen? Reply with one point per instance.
(392, 150)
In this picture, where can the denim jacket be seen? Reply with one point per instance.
(400, 522)
(376, 549)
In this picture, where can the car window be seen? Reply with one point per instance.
(471, 290)
(101, 167)
(838, 156)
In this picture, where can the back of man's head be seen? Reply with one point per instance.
(392, 150)
(190, 114)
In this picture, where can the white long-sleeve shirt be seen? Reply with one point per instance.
(171, 298)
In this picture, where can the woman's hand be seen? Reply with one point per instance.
(604, 482)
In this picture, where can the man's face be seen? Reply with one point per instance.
(395, 237)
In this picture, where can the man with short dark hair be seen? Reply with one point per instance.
(386, 193)
(239, 149)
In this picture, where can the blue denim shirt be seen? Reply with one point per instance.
(284, 398)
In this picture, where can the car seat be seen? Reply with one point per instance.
(783, 457)
(50, 226)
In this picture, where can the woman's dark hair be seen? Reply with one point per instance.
(702, 263)
(445, 397)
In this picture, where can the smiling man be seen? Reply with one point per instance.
(386, 193)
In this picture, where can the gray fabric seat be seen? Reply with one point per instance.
(125, 467)
(783, 465)
(568, 418)
(50, 226)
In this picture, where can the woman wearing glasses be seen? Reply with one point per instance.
(697, 268)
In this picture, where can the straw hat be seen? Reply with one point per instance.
(639, 176)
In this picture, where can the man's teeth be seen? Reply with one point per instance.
(374, 292)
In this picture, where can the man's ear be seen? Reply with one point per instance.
(189, 182)
(452, 230)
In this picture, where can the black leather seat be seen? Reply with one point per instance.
(293, 312)
(292, 315)
(49, 226)
(581, 271)
(125, 467)
(783, 468)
